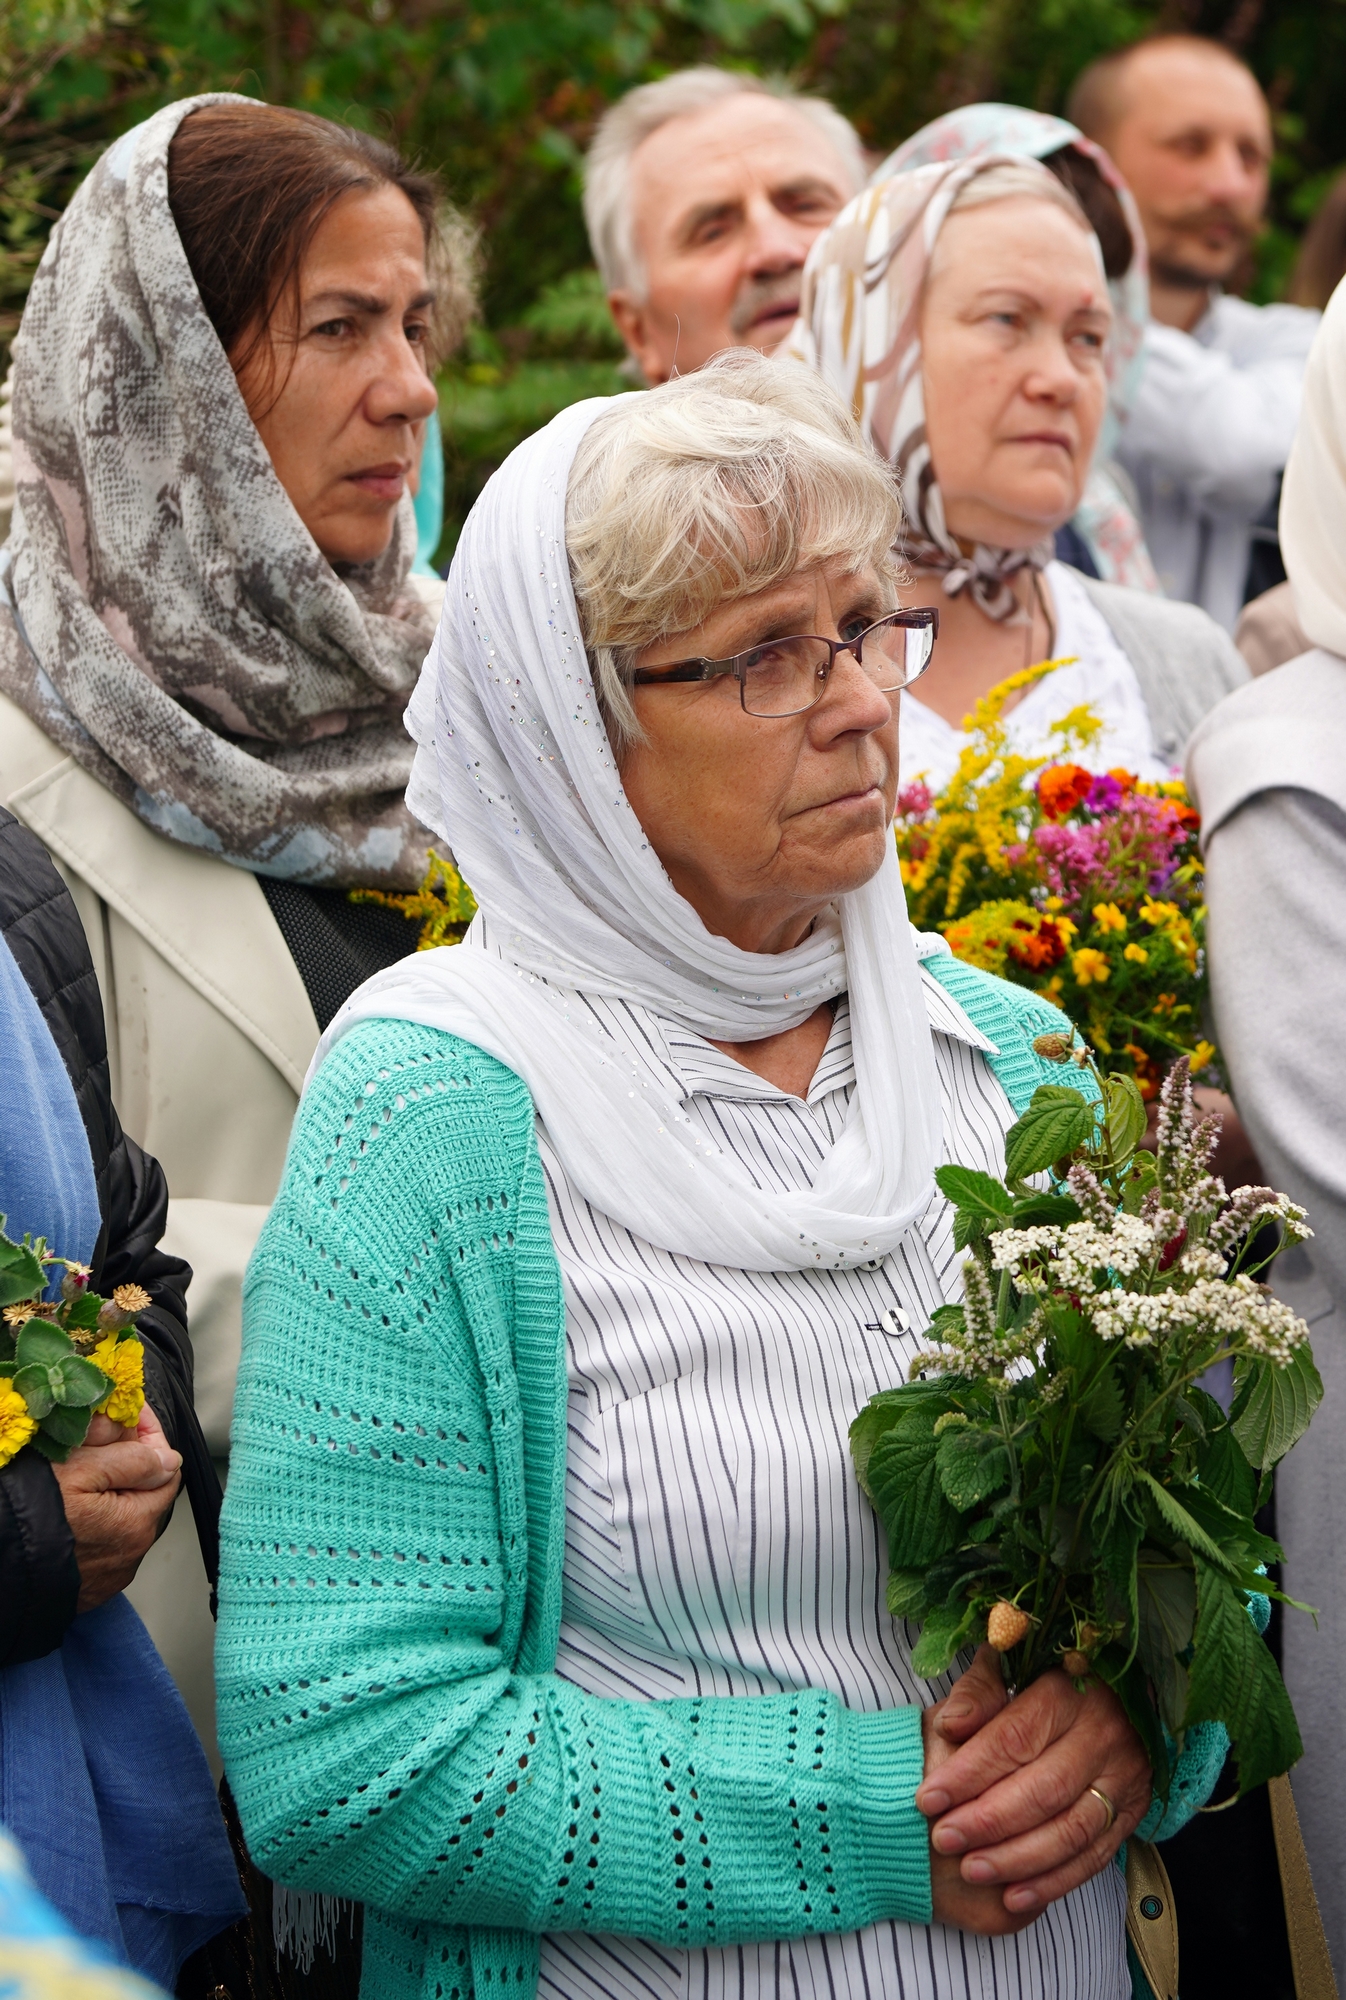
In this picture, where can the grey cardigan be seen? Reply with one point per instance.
(1184, 661)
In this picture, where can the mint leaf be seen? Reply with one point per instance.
(42, 1343)
(1125, 1116)
(1278, 1408)
(81, 1383)
(904, 1484)
(21, 1274)
(67, 1427)
(1234, 1680)
(35, 1386)
(1045, 1211)
(973, 1464)
(1057, 1122)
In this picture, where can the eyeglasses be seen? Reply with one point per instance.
(787, 676)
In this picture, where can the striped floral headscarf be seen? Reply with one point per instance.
(1103, 519)
(859, 325)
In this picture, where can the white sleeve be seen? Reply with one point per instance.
(1220, 429)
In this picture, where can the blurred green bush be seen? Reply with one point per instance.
(501, 96)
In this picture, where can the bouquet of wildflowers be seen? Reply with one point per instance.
(1085, 887)
(63, 1361)
(1052, 1478)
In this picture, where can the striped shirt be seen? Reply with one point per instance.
(717, 1542)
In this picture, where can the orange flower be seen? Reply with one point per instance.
(1038, 947)
(1061, 788)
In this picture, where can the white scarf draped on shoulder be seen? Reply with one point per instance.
(514, 770)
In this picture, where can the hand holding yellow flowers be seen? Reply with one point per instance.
(65, 1360)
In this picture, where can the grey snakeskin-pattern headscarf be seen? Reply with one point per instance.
(165, 616)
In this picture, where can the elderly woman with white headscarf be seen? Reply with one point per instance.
(552, 1614)
(1268, 769)
(962, 308)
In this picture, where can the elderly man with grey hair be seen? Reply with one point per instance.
(703, 195)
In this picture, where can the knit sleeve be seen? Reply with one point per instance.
(388, 1607)
(1012, 1018)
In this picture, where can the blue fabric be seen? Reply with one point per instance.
(46, 1173)
(430, 501)
(102, 1779)
(104, 1784)
(40, 1956)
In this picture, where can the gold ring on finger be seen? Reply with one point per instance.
(1107, 1805)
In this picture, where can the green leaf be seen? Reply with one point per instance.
(67, 1427)
(1101, 1407)
(1183, 1524)
(973, 1464)
(1124, 1114)
(21, 1274)
(903, 1482)
(1058, 1121)
(886, 1411)
(1279, 1405)
(1044, 1211)
(945, 1632)
(82, 1313)
(34, 1385)
(966, 1188)
(1142, 1177)
(1131, 1684)
(43, 1344)
(907, 1594)
(1234, 1680)
(82, 1383)
(1166, 1617)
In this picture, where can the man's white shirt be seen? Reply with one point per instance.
(1207, 438)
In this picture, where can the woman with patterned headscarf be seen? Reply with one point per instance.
(208, 635)
(964, 311)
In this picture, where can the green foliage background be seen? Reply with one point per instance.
(501, 95)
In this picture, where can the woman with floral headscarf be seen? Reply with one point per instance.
(964, 311)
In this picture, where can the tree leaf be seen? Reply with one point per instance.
(1235, 1680)
(43, 1344)
(903, 1482)
(1279, 1406)
(945, 1632)
(1124, 1114)
(1057, 1121)
(1182, 1523)
(973, 1464)
(966, 1188)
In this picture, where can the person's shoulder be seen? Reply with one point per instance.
(1284, 730)
(1165, 633)
(1249, 332)
(417, 1067)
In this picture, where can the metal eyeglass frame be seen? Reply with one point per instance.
(920, 617)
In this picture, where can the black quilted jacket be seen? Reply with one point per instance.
(39, 1580)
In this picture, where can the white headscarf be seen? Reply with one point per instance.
(1313, 498)
(514, 769)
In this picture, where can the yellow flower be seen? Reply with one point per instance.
(1200, 1056)
(1108, 917)
(124, 1361)
(1159, 914)
(1052, 905)
(16, 1426)
(1137, 954)
(1090, 967)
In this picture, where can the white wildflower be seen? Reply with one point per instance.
(1200, 1261)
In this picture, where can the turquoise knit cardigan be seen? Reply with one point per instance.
(390, 1591)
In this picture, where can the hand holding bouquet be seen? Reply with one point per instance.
(63, 1361)
(1052, 1478)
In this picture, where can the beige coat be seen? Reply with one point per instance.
(210, 1032)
